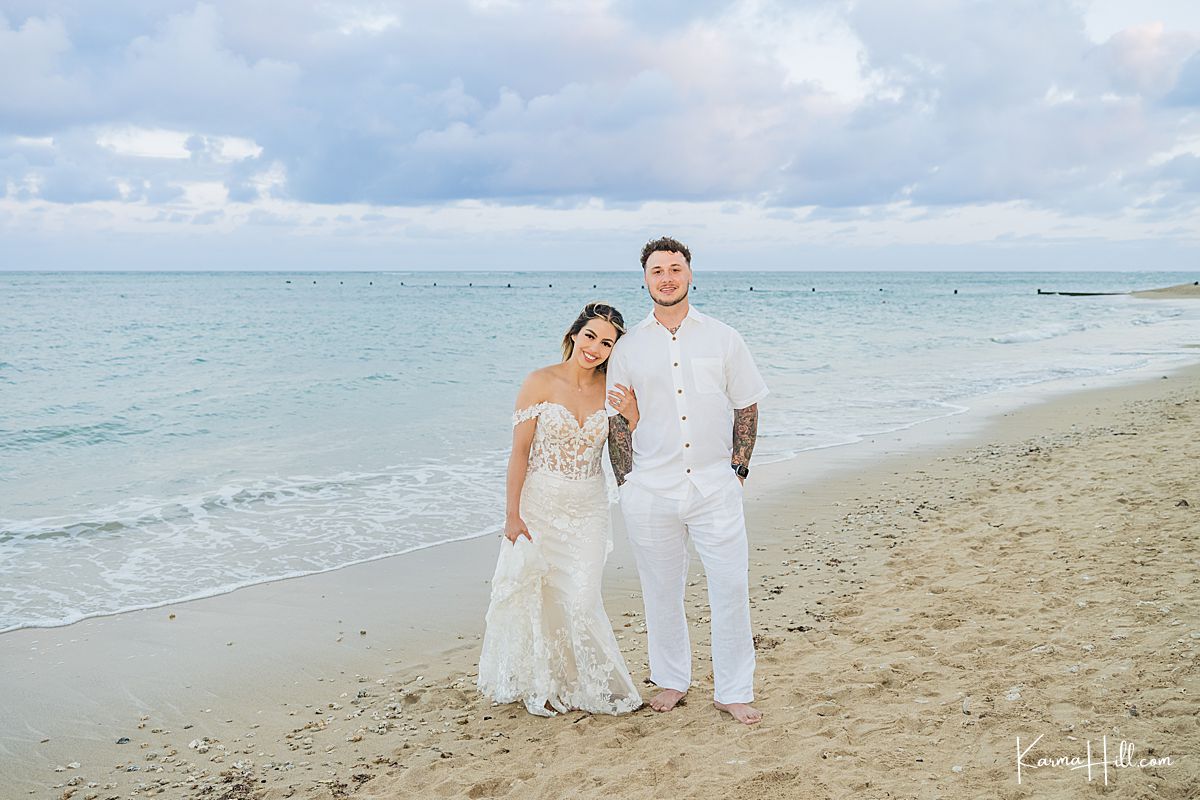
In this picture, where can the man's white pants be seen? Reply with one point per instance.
(658, 529)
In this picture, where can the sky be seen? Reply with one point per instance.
(498, 134)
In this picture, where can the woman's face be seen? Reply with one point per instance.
(594, 343)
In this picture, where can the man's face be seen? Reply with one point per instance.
(668, 277)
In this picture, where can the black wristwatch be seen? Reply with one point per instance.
(742, 470)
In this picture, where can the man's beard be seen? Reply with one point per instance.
(669, 303)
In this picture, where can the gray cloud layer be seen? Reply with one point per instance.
(420, 102)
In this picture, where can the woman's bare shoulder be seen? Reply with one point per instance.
(538, 386)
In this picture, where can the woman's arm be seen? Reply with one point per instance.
(518, 462)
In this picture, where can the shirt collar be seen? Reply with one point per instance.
(693, 314)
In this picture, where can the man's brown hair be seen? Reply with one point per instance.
(667, 245)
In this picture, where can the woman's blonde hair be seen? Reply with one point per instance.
(593, 311)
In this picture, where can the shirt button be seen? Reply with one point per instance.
(687, 444)
(672, 338)
(689, 471)
(683, 418)
(676, 364)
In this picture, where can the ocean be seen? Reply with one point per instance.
(166, 436)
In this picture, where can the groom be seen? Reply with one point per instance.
(681, 476)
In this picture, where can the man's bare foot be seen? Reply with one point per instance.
(666, 699)
(742, 712)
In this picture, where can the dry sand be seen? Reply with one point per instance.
(913, 617)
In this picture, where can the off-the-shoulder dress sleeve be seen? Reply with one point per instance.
(528, 413)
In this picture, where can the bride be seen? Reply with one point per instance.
(549, 642)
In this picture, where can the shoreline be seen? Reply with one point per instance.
(302, 637)
(918, 435)
(225, 590)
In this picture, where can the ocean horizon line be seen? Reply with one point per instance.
(587, 270)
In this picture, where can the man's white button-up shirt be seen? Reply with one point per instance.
(687, 386)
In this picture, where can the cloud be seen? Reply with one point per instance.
(1146, 60)
(587, 103)
(1011, 101)
(184, 74)
(1186, 91)
(39, 89)
(817, 110)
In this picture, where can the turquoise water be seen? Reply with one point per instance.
(168, 435)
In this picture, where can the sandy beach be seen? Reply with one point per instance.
(1181, 291)
(915, 612)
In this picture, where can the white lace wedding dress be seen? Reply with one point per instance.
(549, 643)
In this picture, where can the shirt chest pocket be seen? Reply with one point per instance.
(708, 375)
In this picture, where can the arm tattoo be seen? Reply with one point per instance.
(745, 432)
(620, 447)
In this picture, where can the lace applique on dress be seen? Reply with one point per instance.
(526, 414)
(561, 444)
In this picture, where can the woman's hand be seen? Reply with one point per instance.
(514, 528)
(624, 401)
